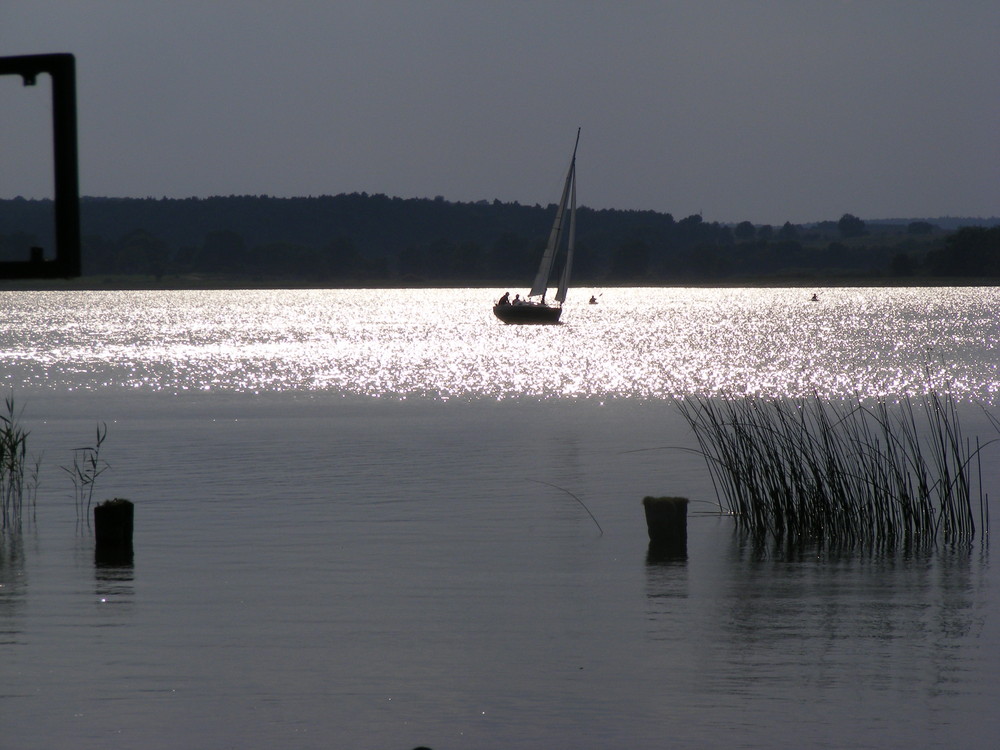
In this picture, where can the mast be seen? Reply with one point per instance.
(541, 282)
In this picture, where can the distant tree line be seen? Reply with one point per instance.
(374, 239)
(971, 251)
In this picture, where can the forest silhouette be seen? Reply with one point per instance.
(373, 240)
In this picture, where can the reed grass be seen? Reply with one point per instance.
(578, 500)
(13, 464)
(858, 472)
(87, 467)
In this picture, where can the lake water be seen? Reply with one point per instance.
(359, 524)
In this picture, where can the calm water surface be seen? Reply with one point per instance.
(356, 527)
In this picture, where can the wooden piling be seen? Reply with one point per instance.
(113, 521)
(666, 522)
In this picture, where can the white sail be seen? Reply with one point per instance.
(541, 282)
(568, 268)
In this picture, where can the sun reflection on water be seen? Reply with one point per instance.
(445, 343)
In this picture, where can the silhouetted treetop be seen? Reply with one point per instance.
(375, 239)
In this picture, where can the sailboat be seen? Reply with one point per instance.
(539, 311)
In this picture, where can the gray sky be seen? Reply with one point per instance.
(794, 110)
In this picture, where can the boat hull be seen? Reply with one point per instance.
(527, 314)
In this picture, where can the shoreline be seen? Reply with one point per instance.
(206, 283)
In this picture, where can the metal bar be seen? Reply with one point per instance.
(62, 68)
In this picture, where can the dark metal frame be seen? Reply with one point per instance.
(62, 68)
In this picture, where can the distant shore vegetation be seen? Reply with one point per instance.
(374, 240)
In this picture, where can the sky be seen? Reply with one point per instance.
(788, 110)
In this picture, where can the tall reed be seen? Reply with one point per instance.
(859, 472)
(87, 466)
(13, 453)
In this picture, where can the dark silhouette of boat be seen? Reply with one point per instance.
(531, 311)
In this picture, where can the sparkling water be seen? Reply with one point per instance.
(363, 519)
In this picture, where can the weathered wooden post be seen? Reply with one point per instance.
(666, 522)
(113, 520)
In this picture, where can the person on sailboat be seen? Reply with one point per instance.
(517, 300)
(505, 300)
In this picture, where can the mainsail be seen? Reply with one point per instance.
(541, 282)
(564, 279)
